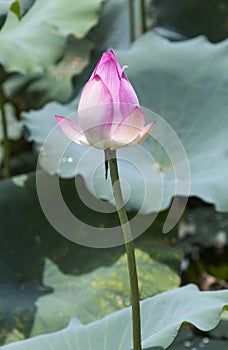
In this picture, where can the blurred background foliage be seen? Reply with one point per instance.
(47, 52)
(191, 18)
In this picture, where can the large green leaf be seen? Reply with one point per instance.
(26, 236)
(194, 104)
(33, 91)
(162, 317)
(47, 24)
(97, 293)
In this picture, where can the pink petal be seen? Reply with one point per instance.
(108, 58)
(109, 70)
(145, 132)
(72, 130)
(127, 93)
(95, 111)
(127, 96)
(94, 93)
(102, 60)
(130, 127)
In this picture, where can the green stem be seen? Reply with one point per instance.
(143, 15)
(132, 20)
(136, 321)
(5, 136)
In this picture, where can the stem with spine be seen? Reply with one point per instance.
(143, 15)
(5, 137)
(131, 20)
(136, 320)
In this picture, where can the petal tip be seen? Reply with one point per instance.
(150, 126)
(138, 109)
(112, 52)
(59, 118)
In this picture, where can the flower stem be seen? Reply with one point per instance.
(136, 321)
(5, 137)
(131, 20)
(143, 15)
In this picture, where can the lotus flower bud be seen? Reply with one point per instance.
(109, 115)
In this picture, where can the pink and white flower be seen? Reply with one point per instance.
(109, 115)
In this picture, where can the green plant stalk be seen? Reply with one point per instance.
(131, 20)
(136, 319)
(5, 136)
(143, 15)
